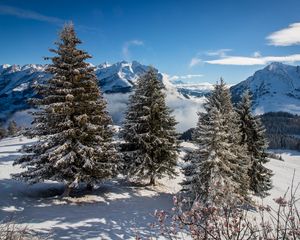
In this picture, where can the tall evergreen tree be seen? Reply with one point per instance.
(217, 170)
(149, 131)
(223, 102)
(253, 138)
(73, 126)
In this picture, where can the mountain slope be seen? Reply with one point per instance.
(16, 82)
(193, 89)
(119, 77)
(275, 88)
(16, 86)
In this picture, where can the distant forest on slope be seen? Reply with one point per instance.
(282, 130)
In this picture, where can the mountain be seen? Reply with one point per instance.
(274, 88)
(16, 86)
(16, 82)
(121, 76)
(193, 89)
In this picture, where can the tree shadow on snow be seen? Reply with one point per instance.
(115, 210)
(11, 157)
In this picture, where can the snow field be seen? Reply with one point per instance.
(115, 210)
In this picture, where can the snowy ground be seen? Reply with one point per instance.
(116, 210)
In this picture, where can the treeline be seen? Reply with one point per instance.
(282, 130)
(12, 130)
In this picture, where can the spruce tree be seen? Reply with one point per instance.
(253, 138)
(3, 132)
(12, 128)
(150, 148)
(223, 102)
(217, 170)
(72, 124)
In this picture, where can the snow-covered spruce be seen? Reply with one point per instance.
(220, 162)
(253, 138)
(73, 126)
(151, 146)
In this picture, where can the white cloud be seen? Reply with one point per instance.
(117, 105)
(212, 53)
(286, 37)
(257, 54)
(28, 14)
(220, 52)
(259, 60)
(127, 45)
(184, 110)
(188, 76)
(195, 61)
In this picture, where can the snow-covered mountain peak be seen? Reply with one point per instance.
(33, 67)
(275, 65)
(103, 65)
(275, 88)
(16, 82)
(3, 67)
(9, 69)
(12, 68)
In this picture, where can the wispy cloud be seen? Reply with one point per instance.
(257, 54)
(188, 76)
(220, 52)
(195, 61)
(128, 44)
(28, 14)
(258, 60)
(286, 37)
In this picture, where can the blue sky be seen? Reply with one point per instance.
(199, 41)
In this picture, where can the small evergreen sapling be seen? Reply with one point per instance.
(12, 128)
(3, 132)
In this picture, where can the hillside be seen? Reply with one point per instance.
(16, 82)
(115, 210)
(274, 88)
(282, 130)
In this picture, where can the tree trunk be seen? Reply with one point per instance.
(89, 187)
(67, 191)
(152, 180)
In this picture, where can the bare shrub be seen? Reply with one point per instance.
(232, 220)
(11, 231)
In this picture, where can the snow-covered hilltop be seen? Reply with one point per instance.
(275, 88)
